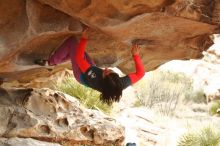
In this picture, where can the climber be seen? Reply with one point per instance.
(87, 73)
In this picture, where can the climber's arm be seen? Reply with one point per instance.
(80, 59)
(134, 77)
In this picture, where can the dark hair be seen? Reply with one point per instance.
(111, 89)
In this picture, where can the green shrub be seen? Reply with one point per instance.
(165, 90)
(188, 139)
(138, 102)
(215, 108)
(196, 96)
(204, 137)
(86, 95)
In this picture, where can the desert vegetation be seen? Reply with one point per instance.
(206, 136)
(86, 95)
(165, 91)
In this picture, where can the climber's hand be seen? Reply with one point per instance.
(135, 49)
(85, 33)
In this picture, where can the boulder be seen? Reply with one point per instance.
(24, 142)
(51, 116)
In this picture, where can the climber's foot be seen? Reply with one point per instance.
(40, 62)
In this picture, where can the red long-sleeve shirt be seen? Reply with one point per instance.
(136, 76)
(84, 65)
(80, 59)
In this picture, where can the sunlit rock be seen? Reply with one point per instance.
(51, 116)
(166, 30)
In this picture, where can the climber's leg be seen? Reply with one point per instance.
(62, 53)
(76, 69)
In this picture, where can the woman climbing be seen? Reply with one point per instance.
(105, 80)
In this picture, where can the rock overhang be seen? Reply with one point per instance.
(165, 29)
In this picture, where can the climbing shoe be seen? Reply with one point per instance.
(40, 62)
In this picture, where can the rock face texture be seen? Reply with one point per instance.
(51, 116)
(24, 142)
(166, 30)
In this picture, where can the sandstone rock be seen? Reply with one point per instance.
(166, 30)
(24, 142)
(51, 116)
(141, 128)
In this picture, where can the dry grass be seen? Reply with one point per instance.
(86, 95)
(165, 91)
(215, 108)
(206, 136)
